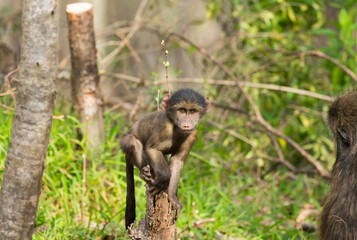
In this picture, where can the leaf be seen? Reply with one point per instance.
(343, 17)
(260, 162)
(282, 142)
(323, 31)
(305, 121)
(303, 7)
(291, 14)
(320, 21)
(191, 50)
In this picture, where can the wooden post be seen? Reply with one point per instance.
(84, 77)
(159, 222)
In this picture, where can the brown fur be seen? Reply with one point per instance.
(338, 219)
(170, 132)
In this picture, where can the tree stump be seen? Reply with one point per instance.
(159, 222)
(84, 77)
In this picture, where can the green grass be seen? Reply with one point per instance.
(214, 186)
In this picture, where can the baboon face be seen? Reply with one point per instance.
(339, 214)
(342, 120)
(185, 108)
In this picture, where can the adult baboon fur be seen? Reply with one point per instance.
(338, 219)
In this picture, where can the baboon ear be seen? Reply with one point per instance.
(165, 101)
(344, 137)
(208, 104)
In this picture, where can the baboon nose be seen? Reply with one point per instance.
(186, 127)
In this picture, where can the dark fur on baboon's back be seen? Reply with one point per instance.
(338, 219)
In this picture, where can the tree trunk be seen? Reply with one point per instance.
(159, 222)
(25, 161)
(85, 79)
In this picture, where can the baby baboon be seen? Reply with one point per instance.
(338, 219)
(168, 132)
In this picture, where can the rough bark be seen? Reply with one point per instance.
(159, 222)
(25, 161)
(87, 99)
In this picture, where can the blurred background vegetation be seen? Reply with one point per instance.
(242, 180)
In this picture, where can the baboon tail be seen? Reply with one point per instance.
(130, 194)
(126, 143)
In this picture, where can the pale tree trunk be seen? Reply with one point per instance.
(25, 161)
(84, 77)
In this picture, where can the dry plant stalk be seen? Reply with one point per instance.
(166, 64)
(158, 100)
(84, 170)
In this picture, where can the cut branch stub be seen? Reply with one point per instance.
(87, 99)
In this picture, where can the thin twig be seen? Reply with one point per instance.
(122, 76)
(136, 106)
(60, 117)
(281, 155)
(198, 224)
(2, 149)
(84, 169)
(327, 57)
(254, 85)
(134, 29)
(10, 18)
(7, 107)
(224, 82)
(158, 100)
(112, 29)
(166, 63)
(231, 132)
(131, 49)
(12, 90)
(7, 84)
(234, 109)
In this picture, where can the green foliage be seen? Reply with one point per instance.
(230, 186)
(213, 186)
(265, 39)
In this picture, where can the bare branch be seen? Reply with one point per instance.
(224, 82)
(231, 132)
(327, 57)
(258, 116)
(7, 107)
(134, 29)
(131, 48)
(281, 155)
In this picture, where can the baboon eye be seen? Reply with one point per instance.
(182, 110)
(344, 137)
(192, 111)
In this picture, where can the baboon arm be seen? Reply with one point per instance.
(176, 166)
